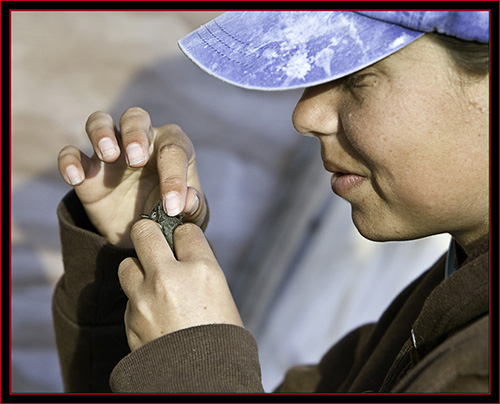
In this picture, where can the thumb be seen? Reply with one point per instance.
(191, 244)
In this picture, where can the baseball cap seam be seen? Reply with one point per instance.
(231, 36)
(220, 53)
(217, 38)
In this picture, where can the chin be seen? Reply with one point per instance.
(377, 230)
(380, 237)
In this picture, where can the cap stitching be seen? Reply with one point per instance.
(225, 44)
(231, 36)
(222, 54)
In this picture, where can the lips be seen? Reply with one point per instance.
(343, 180)
(335, 169)
(344, 184)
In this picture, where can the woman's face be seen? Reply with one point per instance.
(407, 142)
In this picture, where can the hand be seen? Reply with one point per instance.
(115, 188)
(167, 295)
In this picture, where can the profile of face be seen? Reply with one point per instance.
(407, 140)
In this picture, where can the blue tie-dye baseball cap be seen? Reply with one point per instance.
(281, 50)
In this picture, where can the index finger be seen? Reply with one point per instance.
(150, 245)
(191, 244)
(175, 154)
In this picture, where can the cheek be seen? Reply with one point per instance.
(371, 137)
(425, 188)
(397, 132)
(404, 167)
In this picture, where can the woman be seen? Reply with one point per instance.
(403, 124)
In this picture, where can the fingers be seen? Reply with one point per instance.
(152, 249)
(177, 170)
(100, 129)
(131, 274)
(136, 133)
(191, 245)
(174, 153)
(135, 142)
(172, 167)
(166, 295)
(73, 165)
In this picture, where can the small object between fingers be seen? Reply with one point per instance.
(167, 223)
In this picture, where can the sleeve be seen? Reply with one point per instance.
(88, 304)
(88, 310)
(216, 358)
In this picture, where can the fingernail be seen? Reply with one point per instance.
(73, 175)
(135, 154)
(194, 206)
(107, 147)
(172, 204)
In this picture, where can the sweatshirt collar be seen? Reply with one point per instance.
(457, 300)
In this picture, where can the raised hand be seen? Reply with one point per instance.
(132, 167)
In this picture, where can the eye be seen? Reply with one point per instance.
(153, 215)
(356, 81)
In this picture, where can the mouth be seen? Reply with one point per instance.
(344, 184)
(344, 181)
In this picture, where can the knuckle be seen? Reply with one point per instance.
(65, 151)
(94, 116)
(162, 284)
(97, 118)
(133, 114)
(126, 265)
(176, 134)
(135, 123)
(204, 266)
(172, 149)
(173, 183)
(135, 111)
(186, 229)
(174, 128)
(141, 227)
(141, 307)
(124, 269)
(133, 135)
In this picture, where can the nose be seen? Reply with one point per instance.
(316, 113)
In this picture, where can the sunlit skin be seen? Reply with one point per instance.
(407, 139)
(415, 135)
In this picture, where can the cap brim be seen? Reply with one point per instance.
(282, 50)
